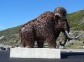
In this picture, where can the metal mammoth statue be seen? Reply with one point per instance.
(46, 27)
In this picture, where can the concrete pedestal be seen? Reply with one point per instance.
(50, 53)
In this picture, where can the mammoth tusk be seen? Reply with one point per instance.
(72, 37)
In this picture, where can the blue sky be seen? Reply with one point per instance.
(17, 12)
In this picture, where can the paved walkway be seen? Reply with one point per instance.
(66, 57)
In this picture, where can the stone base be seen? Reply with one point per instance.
(50, 53)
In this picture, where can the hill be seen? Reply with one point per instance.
(11, 37)
(76, 20)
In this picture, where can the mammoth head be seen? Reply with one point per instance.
(60, 11)
(60, 17)
(61, 22)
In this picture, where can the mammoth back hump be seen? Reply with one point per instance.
(46, 16)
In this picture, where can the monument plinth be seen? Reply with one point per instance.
(50, 53)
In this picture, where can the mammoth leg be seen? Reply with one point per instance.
(27, 37)
(63, 40)
(22, 40)
(28, 42)
(40, 43)
(51, 41)
(23, 44)
(57, 32)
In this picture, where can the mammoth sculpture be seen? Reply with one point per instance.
(46, 27)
